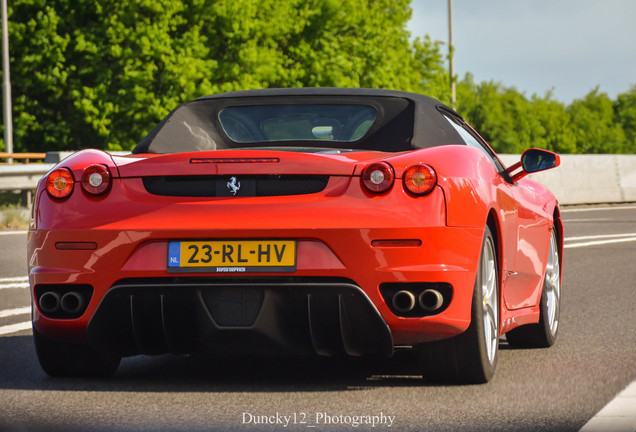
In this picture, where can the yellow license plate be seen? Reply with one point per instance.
(232, 255)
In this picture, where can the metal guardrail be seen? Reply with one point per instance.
(19, 173)
(22, 176)
(22, 157)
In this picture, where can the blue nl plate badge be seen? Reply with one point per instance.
(174, 254)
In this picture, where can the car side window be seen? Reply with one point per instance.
(472, 141)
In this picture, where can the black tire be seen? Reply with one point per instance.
(470, 358)
(63, 359)
(544, 333)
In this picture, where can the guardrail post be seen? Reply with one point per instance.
(26, 198)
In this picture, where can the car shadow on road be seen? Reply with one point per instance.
(169, 373)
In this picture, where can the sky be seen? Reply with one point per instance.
(565, 46)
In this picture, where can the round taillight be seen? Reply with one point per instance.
(96, 179)
(420, 179)
(59, 184)
(378, 177)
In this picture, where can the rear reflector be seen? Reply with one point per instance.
(76, 245)
(397, 243)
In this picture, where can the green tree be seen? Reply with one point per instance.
(552, 128)
(596, 125)
(500, 114)
(98, 73)
(101, 73)
(512, 122)
(625, 109)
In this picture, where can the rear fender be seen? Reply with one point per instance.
(470, 182)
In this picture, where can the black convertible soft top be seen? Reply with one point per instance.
(403, 121)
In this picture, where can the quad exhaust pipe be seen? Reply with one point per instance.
(49, 302)
(403, 301)
(70, 303)
(429, 300)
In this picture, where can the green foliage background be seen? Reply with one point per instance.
(102, 73)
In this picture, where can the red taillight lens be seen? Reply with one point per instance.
(378, 177)
(420, 179)
(59, 184)
(96, 179)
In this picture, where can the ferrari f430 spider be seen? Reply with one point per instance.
(299, 221)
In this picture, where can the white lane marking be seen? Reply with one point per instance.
(599, 242)
(12, 232)
(14, 282)
(599, 236)
(618, 415)
(578, 210)
(14, 285)
(14, 279)
(587, 220)
(14, 312)
(14, 328)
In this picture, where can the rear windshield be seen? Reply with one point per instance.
(294, 121)
(269, 123)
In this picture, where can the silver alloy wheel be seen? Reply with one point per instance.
(471, 357)
(553, 285)
(490, 302)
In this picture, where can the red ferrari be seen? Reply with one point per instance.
(302, 221)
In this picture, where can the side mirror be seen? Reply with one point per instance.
(534, 160)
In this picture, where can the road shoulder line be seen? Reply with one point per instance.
(14, 328)
(618, 415)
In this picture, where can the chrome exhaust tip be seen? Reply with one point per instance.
(430, 300)
(72, 302)
(403, 301)
(49, 302)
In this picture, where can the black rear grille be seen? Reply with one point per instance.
(326, 316)
(239, 186)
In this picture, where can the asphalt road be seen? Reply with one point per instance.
(555, 389)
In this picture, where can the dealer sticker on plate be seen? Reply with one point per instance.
(232, 256)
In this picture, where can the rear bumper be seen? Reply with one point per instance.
(447, 255)
(335, 240)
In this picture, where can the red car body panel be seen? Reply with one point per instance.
(132, 229)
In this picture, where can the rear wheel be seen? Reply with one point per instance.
(543, 334)
(63, 359)
(472, 356)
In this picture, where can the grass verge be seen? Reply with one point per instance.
(14, 217)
